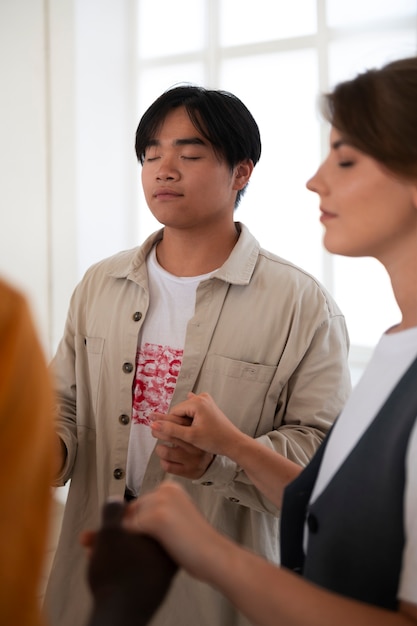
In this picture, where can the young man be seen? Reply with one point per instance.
(198, 307)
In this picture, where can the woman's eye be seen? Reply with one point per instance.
(190, 158)
(345, 163)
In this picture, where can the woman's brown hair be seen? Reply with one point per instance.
(377, 113)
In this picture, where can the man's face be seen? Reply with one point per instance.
(186, 185)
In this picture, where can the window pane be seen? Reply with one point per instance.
(245, 21)
(281, 90)
(278, 209)
(155, 81)
(170, 27)
(357, 11)
(351, 55)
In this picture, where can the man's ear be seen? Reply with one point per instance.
(242, 173)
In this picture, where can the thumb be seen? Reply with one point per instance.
(112, 513)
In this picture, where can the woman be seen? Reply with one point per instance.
(349, 520)
(27, 456)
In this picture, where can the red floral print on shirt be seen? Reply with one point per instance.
(157, 369)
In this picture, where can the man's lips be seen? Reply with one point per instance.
(163, 193)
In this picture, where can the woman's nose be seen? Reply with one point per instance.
(316, 183)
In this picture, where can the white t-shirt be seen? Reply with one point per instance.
(391, 358)
(158, 359)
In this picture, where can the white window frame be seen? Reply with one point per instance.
(211, 56)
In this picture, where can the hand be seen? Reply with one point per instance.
(169, 516)
(183, 459)
(129, 574)
(179, 455)
(198, 422)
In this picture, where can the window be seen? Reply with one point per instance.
(277, 57)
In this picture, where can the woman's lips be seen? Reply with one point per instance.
(326, 216)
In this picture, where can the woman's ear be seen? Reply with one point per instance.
(242, 173)
(414, 195)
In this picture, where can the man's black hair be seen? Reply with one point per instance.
(218, 115)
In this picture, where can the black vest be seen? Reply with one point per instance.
(356, 525)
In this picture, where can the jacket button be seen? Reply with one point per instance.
(137, 316)
(127, 368)
(312, 523)
(124, 419)
(234, 499)
(118, 473)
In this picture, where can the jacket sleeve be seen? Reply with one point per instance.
(64, 372)
(309, 402)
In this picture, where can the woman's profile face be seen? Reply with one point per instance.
(365, 210)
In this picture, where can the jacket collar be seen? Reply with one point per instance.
(237, 269)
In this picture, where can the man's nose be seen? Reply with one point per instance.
(167, 169)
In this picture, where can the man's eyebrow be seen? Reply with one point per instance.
(186, 141)
(189, 141)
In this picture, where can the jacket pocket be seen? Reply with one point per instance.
(239, 388)
(93, 348)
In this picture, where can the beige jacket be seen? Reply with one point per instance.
(266, 341)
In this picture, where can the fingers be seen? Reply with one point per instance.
(178, 452)
(87, 540)
(174, 418)
(158, 507)
(183, 415)
(112, 513)
(169, 431)
(188, 462)
(111, 517)
(184, 412)
(121, 563)
(169, 515)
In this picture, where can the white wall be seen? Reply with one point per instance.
(24, 207)
(67, 165)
